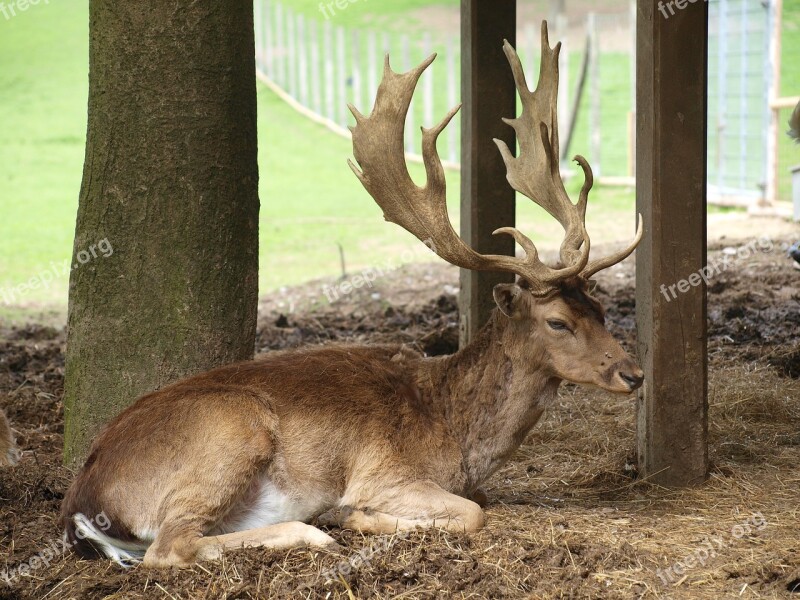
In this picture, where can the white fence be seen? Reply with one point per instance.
(320, 67)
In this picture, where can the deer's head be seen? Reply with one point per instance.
(563, 334)
(551, 313)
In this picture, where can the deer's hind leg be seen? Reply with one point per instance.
(279, 537)
(178, 547)
(184, 539)
(420, 504)
(226, 471)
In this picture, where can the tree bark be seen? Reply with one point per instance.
(170, 182)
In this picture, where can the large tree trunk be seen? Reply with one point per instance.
(170, 181)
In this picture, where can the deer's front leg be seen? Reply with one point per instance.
(422, 504)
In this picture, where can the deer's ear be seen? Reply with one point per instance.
(510, 299)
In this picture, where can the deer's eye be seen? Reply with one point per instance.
(557, 325)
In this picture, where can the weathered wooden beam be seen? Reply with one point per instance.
(671, 128)
(487, 201)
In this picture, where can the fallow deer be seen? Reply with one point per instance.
(374, 438)
(9, 454)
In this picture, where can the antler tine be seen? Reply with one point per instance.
(378, 149)
(535, 172)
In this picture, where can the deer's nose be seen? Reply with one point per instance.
(633, 378)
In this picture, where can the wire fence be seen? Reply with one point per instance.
(320, 67)
(738, 99)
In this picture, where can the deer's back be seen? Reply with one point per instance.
(336, 401)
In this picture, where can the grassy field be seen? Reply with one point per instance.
(43, 88)
(397, 15)
(788, 152)
(311, 204)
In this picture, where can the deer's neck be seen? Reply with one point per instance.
(491, 394)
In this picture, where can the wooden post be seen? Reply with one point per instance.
(557, 7)
(330, 78)
(487, 201)
(301, 44)
(316, 83)
(775, 21)
(355, 73)
(291, 57)
(372, 68)
(341, 79)
(530, 51)
(583, 71)
(594, 94)
(269, 41)
(280, 75)
(427, 83)
(410, 128)
(562, 30)
(671, 130)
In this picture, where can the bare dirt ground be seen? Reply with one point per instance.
(568, 516)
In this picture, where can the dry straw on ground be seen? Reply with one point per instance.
(568, 518)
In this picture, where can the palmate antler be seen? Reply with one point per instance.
(378, 149)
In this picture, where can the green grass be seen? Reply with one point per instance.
(788, 152)
(311, 202)
(396, 15)
(790, 49)
(306, 216)
(43, 90)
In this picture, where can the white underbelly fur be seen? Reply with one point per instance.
(271, 506)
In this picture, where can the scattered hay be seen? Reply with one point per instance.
(568, 516)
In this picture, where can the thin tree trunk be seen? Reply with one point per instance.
(171, 182)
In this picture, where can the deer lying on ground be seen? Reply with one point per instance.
(373, 438)
(9, 454)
